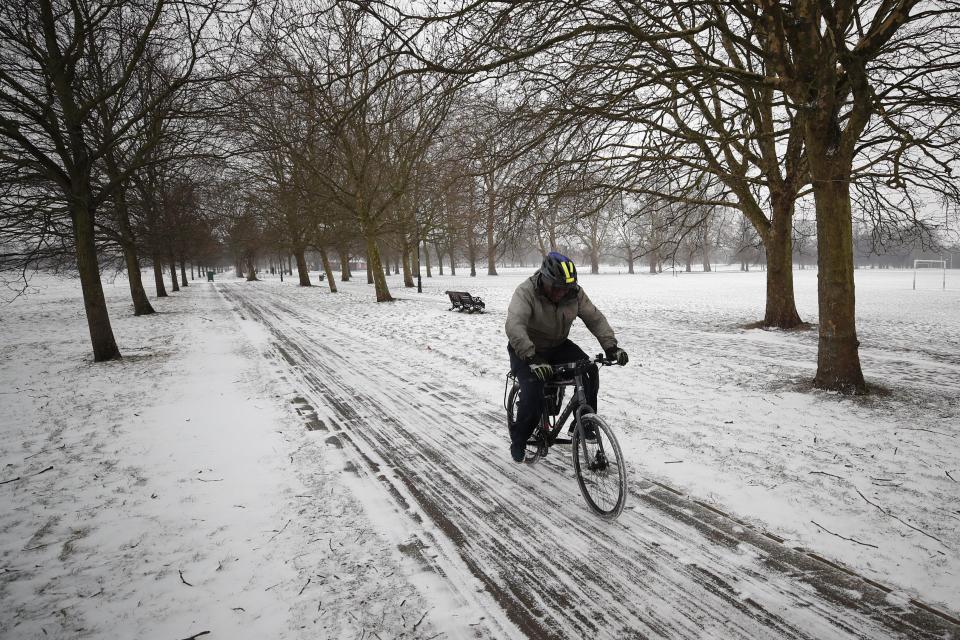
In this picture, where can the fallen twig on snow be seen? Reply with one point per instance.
(281, 531)
(50, 468)
(420, 620)
(196, 635)
(866, 544)
(185, 582)
(304, 586)
(950, 476)
(882, 510)
(939, 433)
(824, 473)
(11, 480)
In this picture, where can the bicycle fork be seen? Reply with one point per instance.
(599, 461)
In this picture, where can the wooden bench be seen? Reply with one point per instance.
(463, 301)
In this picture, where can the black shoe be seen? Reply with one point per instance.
(518, 452)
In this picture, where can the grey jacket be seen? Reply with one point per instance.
(534, 323)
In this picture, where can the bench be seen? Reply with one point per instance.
(463, 301)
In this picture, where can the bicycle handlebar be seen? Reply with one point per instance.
(572, 367)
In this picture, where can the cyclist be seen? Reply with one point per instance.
(539, 317)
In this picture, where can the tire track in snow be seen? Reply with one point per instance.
(668, 568)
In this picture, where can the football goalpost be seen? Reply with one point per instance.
(924, 265)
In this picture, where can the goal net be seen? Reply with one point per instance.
(930, 272)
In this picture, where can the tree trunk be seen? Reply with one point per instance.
(705, 243)
(173, 274)
(300, 254)
(344, 264)
(630, 261)
(252, 269)
(490, 183)
(426, 259)
(653, 262)
(375, 268)
(94, 302)
(595, 258)
(193, 274)
(472, 251)
(781, 311)
(491, 249)
(327, 270)
(453, 264)
(540, 243)
(141, 304)
(405, 261)
(183, 275)
(440, 259)
(838, 359)
(158, 277)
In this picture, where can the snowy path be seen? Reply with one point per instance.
(668, 568)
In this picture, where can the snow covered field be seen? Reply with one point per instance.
(188, 462)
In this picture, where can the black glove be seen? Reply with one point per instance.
(618, 354)
(541, 369)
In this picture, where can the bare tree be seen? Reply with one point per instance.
(49, 96)
(766, 98)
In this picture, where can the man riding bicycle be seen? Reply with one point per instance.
(539, 317)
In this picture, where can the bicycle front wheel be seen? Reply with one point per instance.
(600, 469)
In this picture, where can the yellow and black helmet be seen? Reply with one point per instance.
(559, 271)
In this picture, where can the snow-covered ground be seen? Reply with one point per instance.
(176, 492)
(189, 462)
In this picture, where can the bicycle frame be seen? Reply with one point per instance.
(552, 426)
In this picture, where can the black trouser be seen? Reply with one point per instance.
(531, 389)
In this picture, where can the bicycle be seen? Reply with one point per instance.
(598, 464)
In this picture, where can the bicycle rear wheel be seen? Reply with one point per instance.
(513, 403)
(600, 469)
(534, 445)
